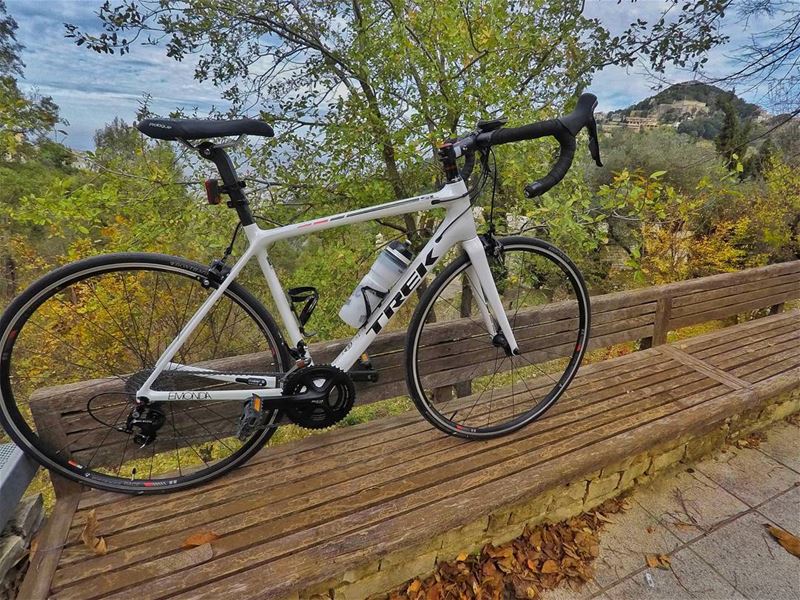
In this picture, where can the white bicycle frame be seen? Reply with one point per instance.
(457, 227)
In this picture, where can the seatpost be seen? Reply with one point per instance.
(232, 186)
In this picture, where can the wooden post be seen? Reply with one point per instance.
(50, 429)
(661, 324)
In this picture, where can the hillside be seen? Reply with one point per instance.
(690, 107)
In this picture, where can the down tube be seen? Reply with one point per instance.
(452, 231)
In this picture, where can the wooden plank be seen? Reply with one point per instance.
(732, 356)
(661, 326)
(738, 332)
(442, 452)
(727, 311)
(752, 337)
(765, 290)
(477, 473)
(767, 367)
(723, 292)
(303, 560)
(705, 368)
(143, 513)
(50, 541)
(390, 434)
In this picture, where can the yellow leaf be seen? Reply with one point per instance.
(100, 547)
(198, 539)
(550, 566)
(462, 557)
(652, 561)
(414, 587)
(89, 529)
(789, 542)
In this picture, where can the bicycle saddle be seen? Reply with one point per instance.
(196, 129)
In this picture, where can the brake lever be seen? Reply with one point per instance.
(594, 144)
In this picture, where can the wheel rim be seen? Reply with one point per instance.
(469, 386)
(108, 324)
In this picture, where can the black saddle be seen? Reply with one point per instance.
(196, 129)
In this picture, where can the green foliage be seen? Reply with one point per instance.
(733, 136)
(685, 160)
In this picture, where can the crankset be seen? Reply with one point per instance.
(321, 395)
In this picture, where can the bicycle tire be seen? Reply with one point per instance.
(414, 377)
(24, 307)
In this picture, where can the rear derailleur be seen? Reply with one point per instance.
(143, 422)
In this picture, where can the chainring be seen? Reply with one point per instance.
(338, 396)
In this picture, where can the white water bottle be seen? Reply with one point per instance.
(390, 265)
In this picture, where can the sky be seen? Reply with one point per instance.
(91, 89)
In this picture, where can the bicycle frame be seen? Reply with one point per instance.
(457, 227)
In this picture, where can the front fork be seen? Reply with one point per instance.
(486, 295)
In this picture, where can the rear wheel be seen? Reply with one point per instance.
(461, 377)
(79, 343)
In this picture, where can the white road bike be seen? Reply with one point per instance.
(167, 372)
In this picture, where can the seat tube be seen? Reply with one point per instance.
(477, 256)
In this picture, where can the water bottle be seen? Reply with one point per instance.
(390, 265)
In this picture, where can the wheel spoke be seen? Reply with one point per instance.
(106, 324)
(499, 394)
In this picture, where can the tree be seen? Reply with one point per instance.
(28, 160)
(771, 56)
(731, 143)
(756, 166)
(363, 90)
(23, 119)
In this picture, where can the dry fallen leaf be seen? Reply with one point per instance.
(198, 539)
(657, 561)
(100, 547)
(88, 536)
(550, 566)
(790, 543)
(541, 558)
(604, 518)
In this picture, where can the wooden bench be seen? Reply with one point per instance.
(357, 510)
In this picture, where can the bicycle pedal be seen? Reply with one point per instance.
(253, 417)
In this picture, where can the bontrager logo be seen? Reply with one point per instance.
(160, 125)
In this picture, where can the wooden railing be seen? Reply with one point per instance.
(647, 314)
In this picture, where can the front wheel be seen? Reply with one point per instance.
(459, 373)
(78, 344)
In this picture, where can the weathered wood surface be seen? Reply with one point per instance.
(302, 513)
(646, 314)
